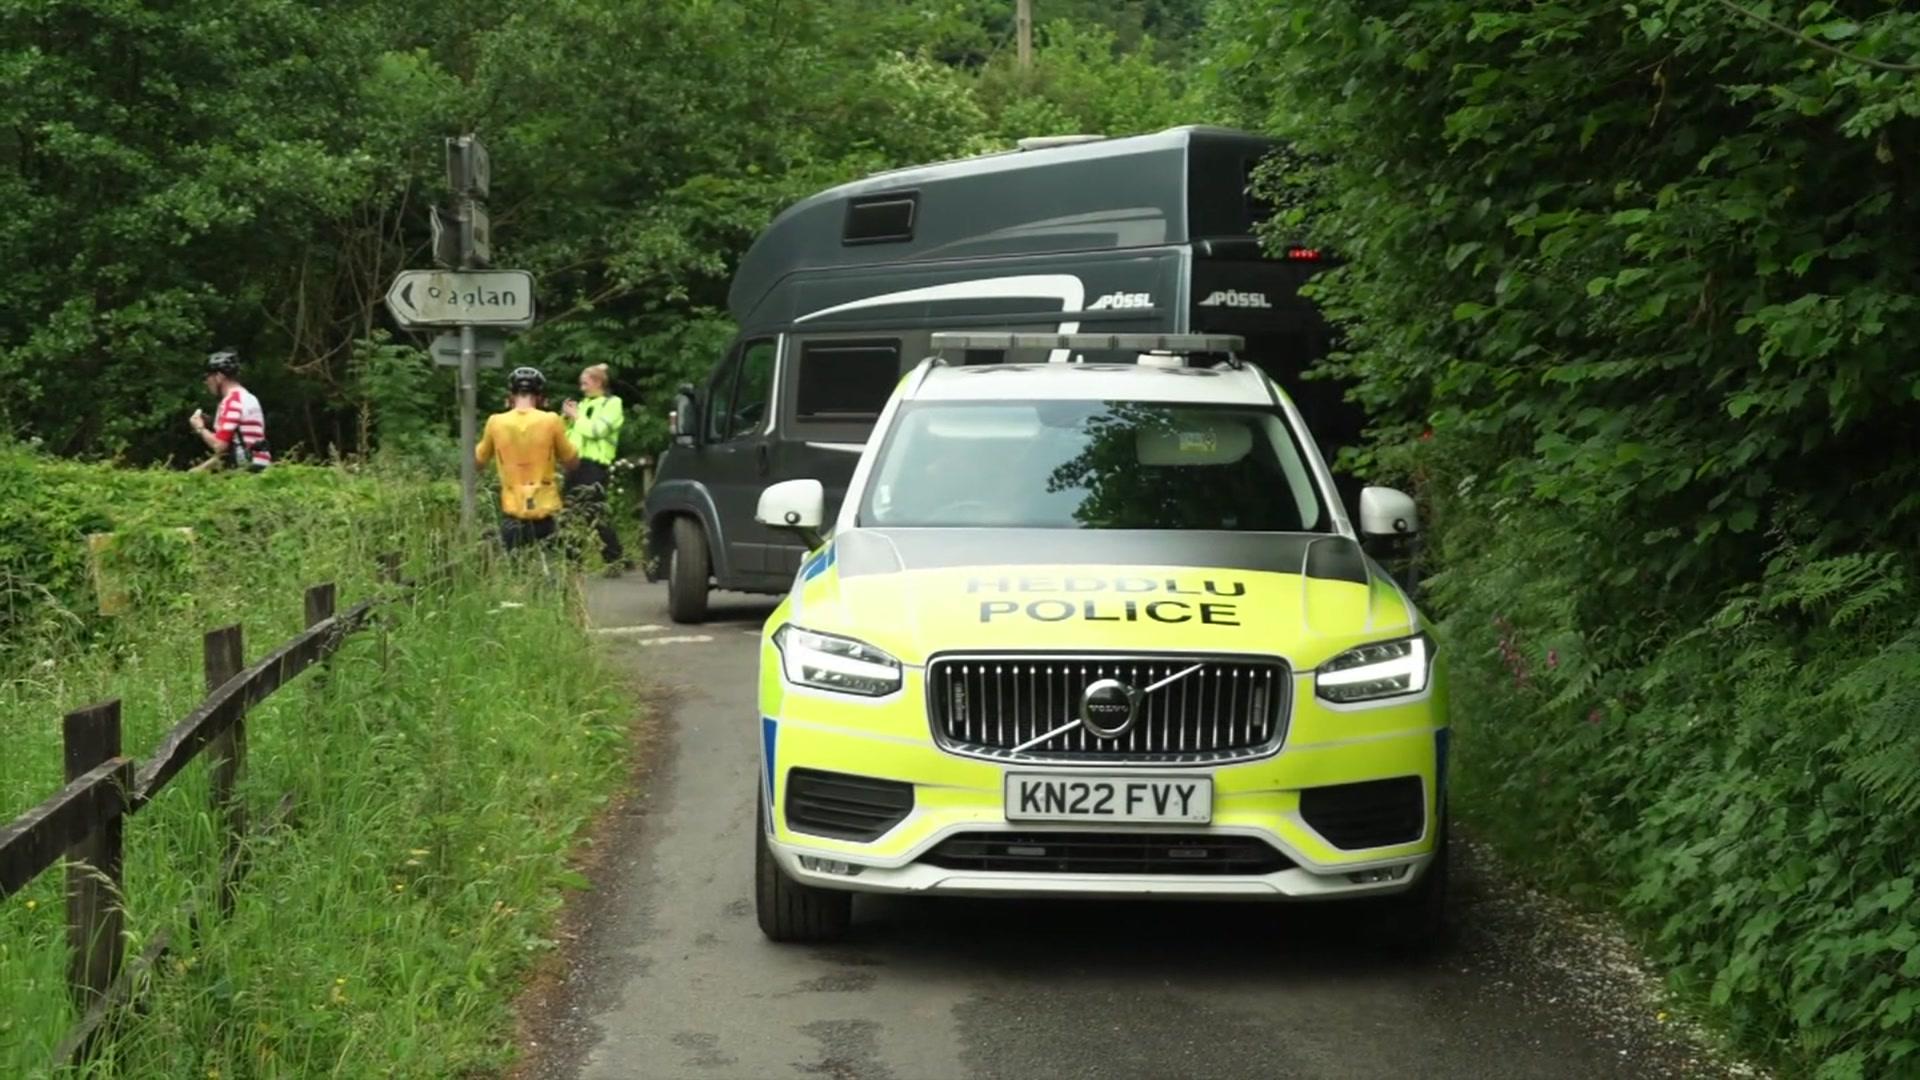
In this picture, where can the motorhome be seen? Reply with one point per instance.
(839, 297)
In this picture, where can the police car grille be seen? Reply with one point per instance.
(991, 706)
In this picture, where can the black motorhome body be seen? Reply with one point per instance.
(841, 294)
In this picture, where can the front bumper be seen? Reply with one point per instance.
(890, 739)
(840, 870)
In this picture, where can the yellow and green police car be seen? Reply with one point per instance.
(1096, 629)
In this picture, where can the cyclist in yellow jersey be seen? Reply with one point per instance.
(530, 444)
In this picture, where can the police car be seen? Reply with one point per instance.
(1096, 629)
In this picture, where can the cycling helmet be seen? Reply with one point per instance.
(224, 362)
(526, 380)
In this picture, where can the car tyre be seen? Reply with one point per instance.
(689, 569)
(789, 911)
(1415, 921)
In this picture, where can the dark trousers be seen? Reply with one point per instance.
(519, 532)
(587, 493)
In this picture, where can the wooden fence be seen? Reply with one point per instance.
(83, 821)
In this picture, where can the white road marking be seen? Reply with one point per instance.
(623, 631)
(680, 639)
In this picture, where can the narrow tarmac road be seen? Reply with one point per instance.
(669, 977)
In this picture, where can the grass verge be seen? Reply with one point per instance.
(440, 774)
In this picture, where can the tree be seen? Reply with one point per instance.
(181, 177)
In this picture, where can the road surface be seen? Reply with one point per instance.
(668, 976)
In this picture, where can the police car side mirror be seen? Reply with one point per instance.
(1386, 512)
(799, 505)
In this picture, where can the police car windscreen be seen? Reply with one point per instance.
(1092, 465)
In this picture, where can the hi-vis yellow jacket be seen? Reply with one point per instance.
(595, 431)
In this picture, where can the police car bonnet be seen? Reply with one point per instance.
(863, 552)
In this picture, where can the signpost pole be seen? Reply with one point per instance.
(469, 420)
(470, 174)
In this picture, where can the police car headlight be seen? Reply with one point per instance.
(1384, 669)
(826, 662)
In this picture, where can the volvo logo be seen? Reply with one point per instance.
(1108, 708)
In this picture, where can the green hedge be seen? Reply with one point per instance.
(1631, 291)
(245, 527)
(1746, 788)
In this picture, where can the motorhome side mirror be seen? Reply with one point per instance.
(684, 420)
(799, 505)
(1387, 512)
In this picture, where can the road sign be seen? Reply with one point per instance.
(421, 298)
(463, 237)
(469, 168)
(476, 237)
(489, 350)
(446, 238)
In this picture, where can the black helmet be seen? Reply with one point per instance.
(224, 362)
(526, 380)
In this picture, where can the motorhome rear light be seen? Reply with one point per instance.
(1303, 254)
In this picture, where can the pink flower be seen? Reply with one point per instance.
(1553, 658)
(1594, 717)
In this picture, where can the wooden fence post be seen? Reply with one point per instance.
(319, 604)
(320, 600)
(224, 657)
(94, 915)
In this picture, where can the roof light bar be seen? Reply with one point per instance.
(949, 340)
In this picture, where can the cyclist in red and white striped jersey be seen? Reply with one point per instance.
(239, 431)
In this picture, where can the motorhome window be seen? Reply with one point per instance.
(754, 391)
(737, 401)
(845, 380)
(720, 399)
(880, 219)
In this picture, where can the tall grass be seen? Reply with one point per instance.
(440, 770)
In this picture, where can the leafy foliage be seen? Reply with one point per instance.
(1629, 291)
(181, 177)
(243, 526)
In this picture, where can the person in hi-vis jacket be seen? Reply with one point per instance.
(593, 427)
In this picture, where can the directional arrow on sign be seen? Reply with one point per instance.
(461, 297)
